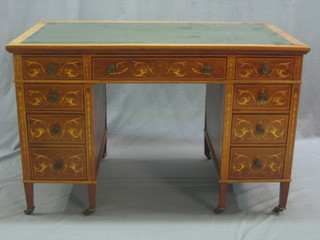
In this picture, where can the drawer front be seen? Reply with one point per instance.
(58, 163)
(162, 68)
(259, 128)
(54, 97)
(255, 163)
(262, 97)
(264, 68)
(52, 68)
(55, 128)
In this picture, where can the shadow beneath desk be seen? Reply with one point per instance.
(163, 189)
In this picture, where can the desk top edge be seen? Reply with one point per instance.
(18, 45)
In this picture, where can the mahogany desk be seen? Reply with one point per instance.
(252, 74)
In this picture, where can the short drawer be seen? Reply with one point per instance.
(264, 68)
(54, 97)
(58, 163)
(43, 128)
(52, 68)
(256, 163)
(161, 68)
(259, 128)
(262, 97)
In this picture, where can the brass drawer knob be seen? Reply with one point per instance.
(207, 69)
(53, 97)
(257, 164)
(52, 68)
(57, 165)
(265, 69)
(111, 68)
(55, 129)
(260, 129)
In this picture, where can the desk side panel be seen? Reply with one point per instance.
(99, 121)
(21, 111)
(214, 120)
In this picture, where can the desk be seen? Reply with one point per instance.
(252, 74)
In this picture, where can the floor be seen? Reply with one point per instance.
(162, 189)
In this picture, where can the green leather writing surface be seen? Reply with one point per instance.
(155, 33)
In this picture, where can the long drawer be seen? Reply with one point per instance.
(161, 68)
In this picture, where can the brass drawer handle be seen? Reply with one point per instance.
(58, 164)
(262, 97)
(259, 127)
(53, 97)
(257, 164)
(55, 129)
(52, 68)
(207, 69)
(265, 69)
(111, 69)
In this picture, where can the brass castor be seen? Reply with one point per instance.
(218, 210)
(278, 209)
(28, 211)
(89, 211)
(208, 155)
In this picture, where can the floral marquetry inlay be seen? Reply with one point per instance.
(262, 96)
(54, 96)
(39, 98)
(276, 98)
(161, 68)
(259, 128)
(57, 128)
(46, 68)
(257, 162)
(64, 163)
(264, 68)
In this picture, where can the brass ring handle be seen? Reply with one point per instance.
(265, 69)
(52, 68)
(55, 129)
(111, 69)
(257, 164)
(207, 69)
(57, 165)
(53, 97)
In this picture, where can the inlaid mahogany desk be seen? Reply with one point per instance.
(252, 74)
